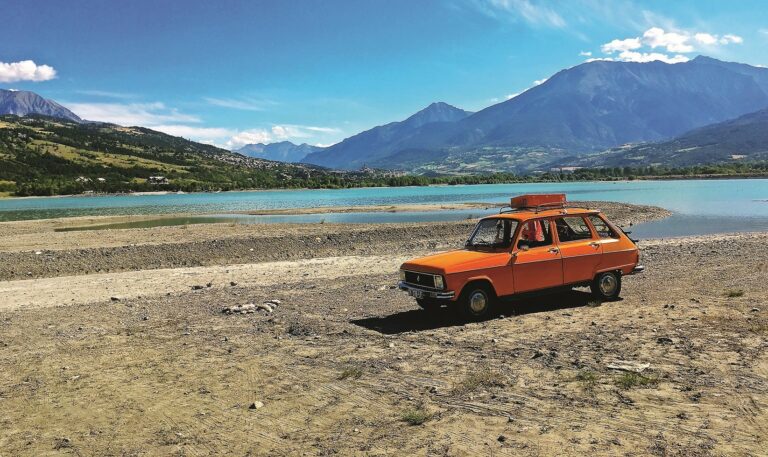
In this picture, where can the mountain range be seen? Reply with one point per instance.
(587, 108)
(743, 138)
(284, 151)
(23, 103)
(372, 145)
(595, 114)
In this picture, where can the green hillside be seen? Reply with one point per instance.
(47, 156)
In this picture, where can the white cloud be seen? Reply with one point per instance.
(706, 38)
(193, 132)
(106, 94)
(585, 53)
(248, 137)
(158, 116)
(275, 133)
(511, 96)
(675, 43)
(25, 70)
(540, 81)
(532, 12)
(129, 114)
(621, 45)
(656, 37)
(709, 39)
(633, 56)
(240, 104)
(729, 38)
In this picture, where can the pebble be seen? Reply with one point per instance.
(265, 307)
(232, 283)
(114, 298)
(755, 310)
(256, 405)
(197, 287)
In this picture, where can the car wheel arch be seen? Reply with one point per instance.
(484, 280)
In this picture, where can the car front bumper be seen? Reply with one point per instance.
(420, 292)
(637, 269)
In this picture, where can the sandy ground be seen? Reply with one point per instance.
(345, 362)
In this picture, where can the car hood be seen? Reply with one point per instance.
(457, 261)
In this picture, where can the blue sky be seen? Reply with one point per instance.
(234, 72)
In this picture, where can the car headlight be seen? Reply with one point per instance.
(402, 275)
(439, 282)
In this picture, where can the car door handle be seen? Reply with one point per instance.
(554, 250)
(595, 244)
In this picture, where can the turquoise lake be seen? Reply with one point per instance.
(700, 206)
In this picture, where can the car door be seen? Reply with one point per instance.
(580, 248)
(536, 263)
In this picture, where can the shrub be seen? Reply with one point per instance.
(416, 416)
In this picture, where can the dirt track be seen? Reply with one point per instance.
(340, 363)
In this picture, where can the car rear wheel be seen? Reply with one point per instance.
(607, 286)
(476, 301)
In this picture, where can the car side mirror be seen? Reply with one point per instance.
(524, 247)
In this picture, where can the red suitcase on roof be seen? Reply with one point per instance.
(538, 200)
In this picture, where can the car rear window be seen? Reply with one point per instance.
(603, 229)
(572, 228)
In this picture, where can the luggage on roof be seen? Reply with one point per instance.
(538, 201)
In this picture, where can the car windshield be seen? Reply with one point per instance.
(493, 233)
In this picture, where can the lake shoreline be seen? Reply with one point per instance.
(703, 177)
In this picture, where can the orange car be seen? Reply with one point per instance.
(539, 243)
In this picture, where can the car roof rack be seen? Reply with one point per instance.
(539, 208)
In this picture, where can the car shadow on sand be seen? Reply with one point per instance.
(419, 320)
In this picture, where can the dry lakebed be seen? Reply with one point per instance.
(114, 342)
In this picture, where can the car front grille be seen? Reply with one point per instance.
(420, 279)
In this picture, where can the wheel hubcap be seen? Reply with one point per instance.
(608, 285)
(478, 302)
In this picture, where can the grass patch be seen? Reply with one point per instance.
(351, 373)
(588, 378)
(416, 416)
(630, 380)
(734, 293)
(483, 378)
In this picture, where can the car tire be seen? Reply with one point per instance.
(606, 286)
(476, 301)
(428, 305)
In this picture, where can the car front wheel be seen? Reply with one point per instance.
(476, 301)
(607, 286)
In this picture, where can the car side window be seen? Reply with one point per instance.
(572, 228)
(602, 228)
(534, 234)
